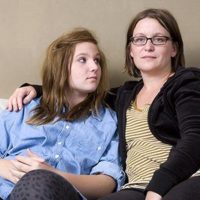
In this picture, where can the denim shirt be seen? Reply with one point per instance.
(88, 146)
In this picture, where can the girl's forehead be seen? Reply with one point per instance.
(86, 47)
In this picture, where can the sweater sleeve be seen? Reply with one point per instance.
(184, 158)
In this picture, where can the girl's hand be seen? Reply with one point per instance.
(30, 162)
(25, 164)
(7, 170)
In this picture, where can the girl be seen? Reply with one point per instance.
(69, 133)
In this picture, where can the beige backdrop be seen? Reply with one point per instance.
(28, 26)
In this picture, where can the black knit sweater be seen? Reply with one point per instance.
(174, 118)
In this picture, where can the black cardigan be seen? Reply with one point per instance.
(174, 118)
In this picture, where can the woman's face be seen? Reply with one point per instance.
(85, 71)
(150, 58)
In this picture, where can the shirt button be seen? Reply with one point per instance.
(99, 148)
(56, 156)
(59, 143)
(67, 127)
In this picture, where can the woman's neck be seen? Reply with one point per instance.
(155, 81)
(152, 86)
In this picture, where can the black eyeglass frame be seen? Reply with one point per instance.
(151, 39)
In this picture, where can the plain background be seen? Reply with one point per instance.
(28, 26)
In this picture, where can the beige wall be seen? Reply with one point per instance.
(28, 26)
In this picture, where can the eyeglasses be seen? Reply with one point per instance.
(155, 40)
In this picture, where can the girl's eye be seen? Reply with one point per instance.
(97, 60)
(82, 60)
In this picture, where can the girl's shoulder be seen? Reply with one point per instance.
(105, 114)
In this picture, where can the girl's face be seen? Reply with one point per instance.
(85, 70)
(150, 58)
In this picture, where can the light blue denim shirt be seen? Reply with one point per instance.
(88, 146)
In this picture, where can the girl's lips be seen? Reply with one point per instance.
(92, 77)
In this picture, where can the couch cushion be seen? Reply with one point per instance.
(3, 103)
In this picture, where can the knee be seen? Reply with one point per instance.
(43, 184)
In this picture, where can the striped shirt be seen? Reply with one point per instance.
(144, 152)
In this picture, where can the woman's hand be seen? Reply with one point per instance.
(153, 196)
(19, 97)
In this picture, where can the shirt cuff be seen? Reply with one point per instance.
(112, 170)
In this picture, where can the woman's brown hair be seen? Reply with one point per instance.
(55, 77)
(166, 19)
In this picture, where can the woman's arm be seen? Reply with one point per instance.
(26, 92)
(184, 159)
(23, 95)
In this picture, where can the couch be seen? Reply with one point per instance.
(2, 104)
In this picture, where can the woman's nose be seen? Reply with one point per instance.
(149, 46)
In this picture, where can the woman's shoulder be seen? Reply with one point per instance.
(187, 73)
(185, 79)
(184, 76)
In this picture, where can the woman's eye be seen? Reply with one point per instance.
(139, 39)
(158, 39)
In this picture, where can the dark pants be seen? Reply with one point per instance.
(45, 185)
(186, 190)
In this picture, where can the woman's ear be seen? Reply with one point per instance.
(174, 49)
(131, 52)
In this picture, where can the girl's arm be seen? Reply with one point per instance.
(91, 186)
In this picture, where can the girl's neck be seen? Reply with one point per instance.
(74, 99)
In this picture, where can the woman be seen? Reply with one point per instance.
(49, 138)
(159, 115)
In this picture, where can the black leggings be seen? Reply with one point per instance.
(186, 190)
(43, 185)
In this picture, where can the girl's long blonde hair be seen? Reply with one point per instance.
(55, 81)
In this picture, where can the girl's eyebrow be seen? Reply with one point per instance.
(86, 54)
(82, 54)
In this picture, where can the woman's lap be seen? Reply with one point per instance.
(186, 190)
(126, 194)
